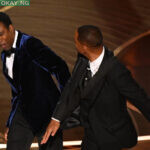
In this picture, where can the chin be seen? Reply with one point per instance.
(6, 49)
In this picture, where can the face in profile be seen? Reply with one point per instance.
(6, 36)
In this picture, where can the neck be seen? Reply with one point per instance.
(93, 56)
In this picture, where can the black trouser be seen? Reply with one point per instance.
(90, 143)
(20, 136)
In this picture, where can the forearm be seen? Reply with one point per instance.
(68, 102)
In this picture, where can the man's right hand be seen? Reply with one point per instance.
(51, 130)
(6, 133)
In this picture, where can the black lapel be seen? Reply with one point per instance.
(78, 71)
(97, 80)
(3, 54)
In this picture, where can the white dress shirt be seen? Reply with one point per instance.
(10, 60)
(94, 66)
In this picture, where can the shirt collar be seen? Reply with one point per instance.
(94, 65)
(15, 39)
(99, 59)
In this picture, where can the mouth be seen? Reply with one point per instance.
(3, 46)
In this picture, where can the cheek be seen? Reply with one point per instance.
(79, 49)
(7, 39)
(4, 38)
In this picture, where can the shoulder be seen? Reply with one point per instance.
(29, 40)
(118, 70)
(34, 44)
(118, 65)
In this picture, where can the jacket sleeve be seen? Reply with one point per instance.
(129, 88)
(69, 99)
(48, 60)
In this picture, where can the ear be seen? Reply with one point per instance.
(85, 47)
(11, 28)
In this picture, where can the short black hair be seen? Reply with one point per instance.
(5, 19)
(90, 35)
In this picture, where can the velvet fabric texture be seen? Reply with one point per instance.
(33, 87)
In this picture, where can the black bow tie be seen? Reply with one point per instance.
(9, 52)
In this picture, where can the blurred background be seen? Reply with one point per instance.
(126, 29)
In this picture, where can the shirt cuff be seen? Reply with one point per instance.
(55, 119)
